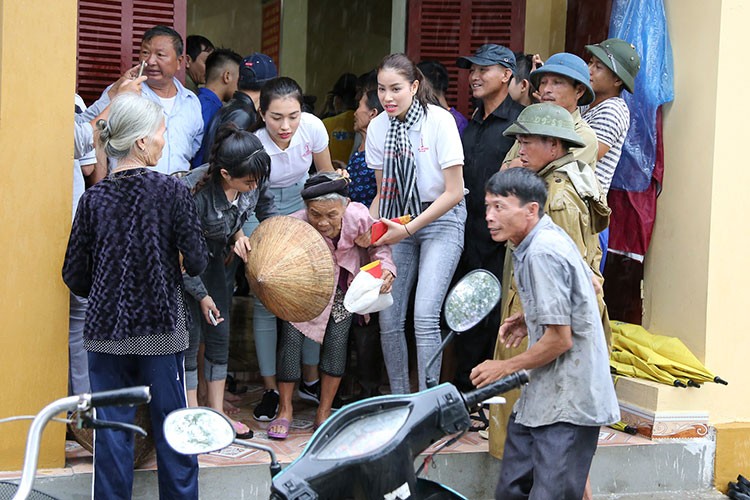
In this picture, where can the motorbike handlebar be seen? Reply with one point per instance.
(121, 397)
(499, 386)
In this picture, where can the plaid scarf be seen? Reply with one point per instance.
(398, 193)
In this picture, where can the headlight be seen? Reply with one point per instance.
(365, 434)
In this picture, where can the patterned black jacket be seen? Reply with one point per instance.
(123, 253)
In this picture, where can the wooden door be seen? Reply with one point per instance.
(443, 30)
(109, 37)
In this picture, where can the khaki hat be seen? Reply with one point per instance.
(290, 269)
(547, 120)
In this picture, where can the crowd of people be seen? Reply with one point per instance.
(517, 188)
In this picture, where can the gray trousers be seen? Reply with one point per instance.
(547, 462)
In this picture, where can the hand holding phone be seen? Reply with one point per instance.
(212, 318)
(140, 70)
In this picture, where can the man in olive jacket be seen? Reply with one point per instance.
(546, 133)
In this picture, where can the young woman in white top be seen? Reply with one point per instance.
(416, 152)
(294, 140)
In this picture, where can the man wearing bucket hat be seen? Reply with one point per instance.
(490, 71)
(564, 80)
(613, 67)
(547, 138)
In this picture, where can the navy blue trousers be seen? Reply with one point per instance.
(547, 462)
(113, 449)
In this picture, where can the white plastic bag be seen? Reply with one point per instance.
(364, 297)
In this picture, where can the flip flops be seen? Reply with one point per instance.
(241, 431)
(279, 422)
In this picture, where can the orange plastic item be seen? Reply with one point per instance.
(379, 228)
(374, 268)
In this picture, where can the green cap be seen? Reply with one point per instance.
(620, 57)
(547, 120)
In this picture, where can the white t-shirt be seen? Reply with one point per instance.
(435, 142)
(291, 165)
(167, 103)
(610, 120)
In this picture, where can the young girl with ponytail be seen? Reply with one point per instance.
(416, 152)
(233, 185)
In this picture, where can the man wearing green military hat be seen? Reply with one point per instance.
(613, 67)
(546, 137)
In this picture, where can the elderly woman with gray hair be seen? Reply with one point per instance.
(130, 234)
(340, 221)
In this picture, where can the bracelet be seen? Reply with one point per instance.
(407, 229)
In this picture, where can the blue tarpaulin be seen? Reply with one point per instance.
(644, 24)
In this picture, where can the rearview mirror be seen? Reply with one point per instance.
(471, 300)
(197, 430)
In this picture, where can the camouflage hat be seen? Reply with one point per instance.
(547, 120)
(568, 65)
(620, 57)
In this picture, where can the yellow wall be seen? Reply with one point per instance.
(294, 43)
(234, 24)
(696, 267)
(344, 36)
(545, 27)
(35, 206)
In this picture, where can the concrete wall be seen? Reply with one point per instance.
(36, 133)
(545, 27)
(696, 268)
(227, 23)
(344, 36)
(294, 41)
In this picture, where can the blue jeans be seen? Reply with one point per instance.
(287, 200)
(428, 259)
(78, 363)
(113, 449)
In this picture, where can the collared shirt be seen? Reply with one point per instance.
(290, 165)
(240, 110)
(434, 141)
(210, 105)
(184, 126)
(485, 146)
(555, 289)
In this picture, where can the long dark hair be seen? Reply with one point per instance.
(406, 68)
(278, 88)
(238, 152)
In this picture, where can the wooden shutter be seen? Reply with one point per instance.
(109, 37)
(443, 30)
(270, 44)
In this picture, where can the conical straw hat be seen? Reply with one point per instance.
(290, 268)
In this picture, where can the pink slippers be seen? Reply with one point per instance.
(283, 423)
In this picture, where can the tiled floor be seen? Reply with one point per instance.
(244, 365)
(78, 460)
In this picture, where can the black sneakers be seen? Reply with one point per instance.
(309, 393)
(268, 407)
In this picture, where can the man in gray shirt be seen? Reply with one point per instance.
(553, 432)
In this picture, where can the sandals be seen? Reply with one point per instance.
(279, 422)
(480, 417)
(241, 430)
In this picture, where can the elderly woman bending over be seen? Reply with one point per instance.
(339, 220)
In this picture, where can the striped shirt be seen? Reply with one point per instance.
(611, 121)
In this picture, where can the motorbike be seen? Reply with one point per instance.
(367, 449)
(83, 405)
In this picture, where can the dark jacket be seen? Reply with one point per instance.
(240, 111)
(220, 219)
(123, 253)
